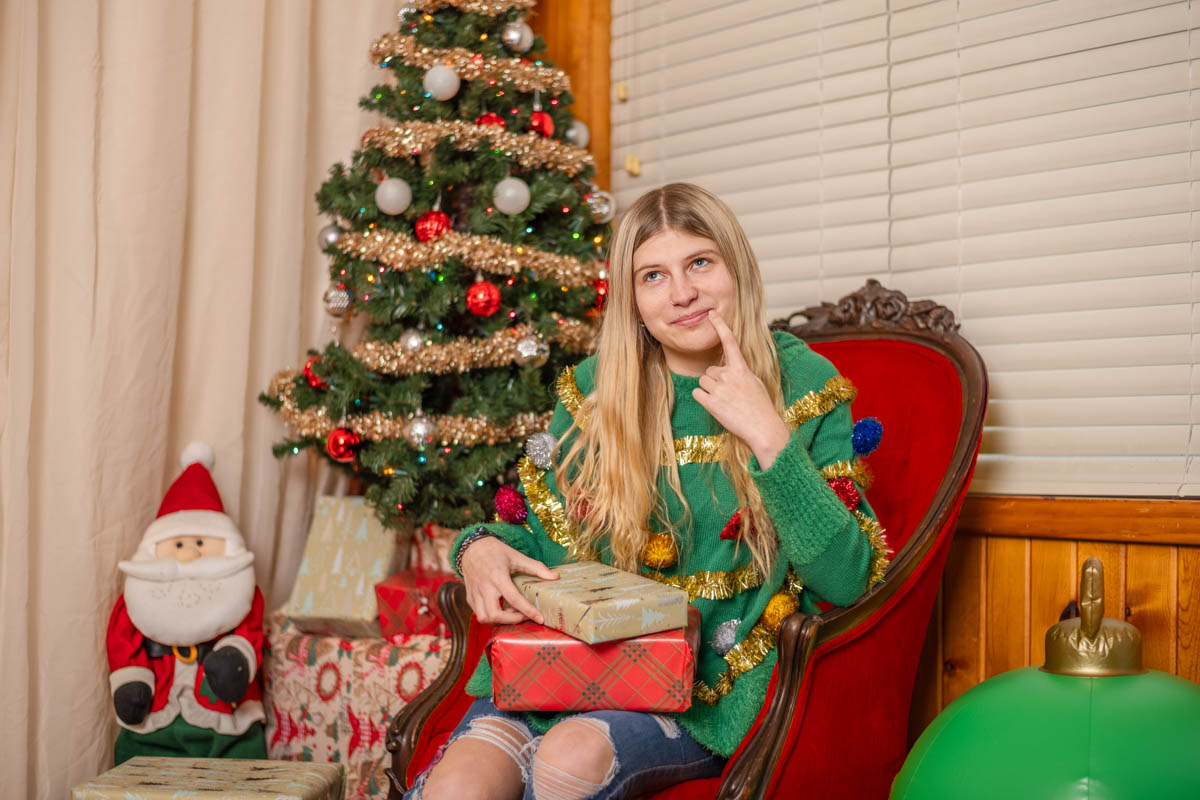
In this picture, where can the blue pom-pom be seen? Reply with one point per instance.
(867, 433)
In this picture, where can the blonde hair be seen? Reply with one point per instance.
(609, 475)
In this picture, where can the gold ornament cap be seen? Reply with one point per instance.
(1092, 645)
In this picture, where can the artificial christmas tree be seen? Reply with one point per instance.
(470, 234)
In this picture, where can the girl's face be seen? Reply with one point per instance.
(678, 278)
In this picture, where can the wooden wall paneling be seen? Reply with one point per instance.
(1006, 606)
(1150, 598)
(1052, 575)
(578, 35)
(962, 617)
(1187, 658)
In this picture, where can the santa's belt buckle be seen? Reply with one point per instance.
(186, 654)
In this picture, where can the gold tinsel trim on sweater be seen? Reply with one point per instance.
(403, 252)
(713, 585)
(466, 353)
(837, 390)
(856, 470)
(530, 150)
(880, 552)
(449, 429)
(545, 505)
(520, 72)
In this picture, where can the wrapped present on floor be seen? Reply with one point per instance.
(430, 548)
(332, 699)
(348, 551)
(151, 778)
(535, 668)
(408, 602)
(598, 603)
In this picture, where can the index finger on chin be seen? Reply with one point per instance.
(733, 353)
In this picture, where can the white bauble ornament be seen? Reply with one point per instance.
(517, 36)
(393, 196)
(578, 134)
(531, 349)
(511, 196)
(411, 340)
(328, 236)
(540, 449)
(339, 301)
(602, 204)
(419, 431)
(441, 82)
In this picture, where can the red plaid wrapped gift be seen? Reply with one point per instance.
(408, 602)
(535, 668)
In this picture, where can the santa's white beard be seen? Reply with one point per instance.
(192, 608)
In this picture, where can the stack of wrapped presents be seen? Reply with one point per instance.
(360, 637)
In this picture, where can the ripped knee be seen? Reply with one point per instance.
(450, 777)
(574, 760)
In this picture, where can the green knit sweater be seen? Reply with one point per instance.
(824, 547)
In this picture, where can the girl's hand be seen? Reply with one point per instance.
(738, 400)
(487, 568)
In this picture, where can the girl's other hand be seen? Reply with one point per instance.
(487, 568)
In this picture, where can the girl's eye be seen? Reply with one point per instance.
(651, 276)
(700, 262)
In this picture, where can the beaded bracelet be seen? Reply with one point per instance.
(468, 540)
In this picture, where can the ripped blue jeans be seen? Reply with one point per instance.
(652, 751)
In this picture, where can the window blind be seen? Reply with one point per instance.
(1031, 165)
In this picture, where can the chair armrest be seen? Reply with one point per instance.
(746, 778)
(407, 725)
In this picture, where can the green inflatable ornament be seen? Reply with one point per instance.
(1090, 724)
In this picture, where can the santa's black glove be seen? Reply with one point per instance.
(132, 702)
(227, 673)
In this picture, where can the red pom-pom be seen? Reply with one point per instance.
(733, 528)
(491, 118)
(342, 444)
(601, 287)
(846, 491)
(510, 505)
(483, 299)
(431, 225)
(541, 122)
(314, 380)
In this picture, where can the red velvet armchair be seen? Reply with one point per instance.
(836, 717)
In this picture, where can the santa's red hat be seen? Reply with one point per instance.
(192, 507)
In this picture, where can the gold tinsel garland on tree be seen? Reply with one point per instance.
(449, 429)
(467, 353)
(470, 66)
(529, 149)
(488, 9)
(403, 252)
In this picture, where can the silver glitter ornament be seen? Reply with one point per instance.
(517, 36)
(725, 636)
(405, 14)
(411, 340)
(602, 205)
(339, 301)
(328, 236)
(532, 349)
(578, 134)
(419, 431)
(540, 449)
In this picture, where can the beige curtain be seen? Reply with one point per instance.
(157, 168)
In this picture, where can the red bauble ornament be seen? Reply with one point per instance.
(541, 122)
(601, 287)
(510, 505)
(342, 444)
(314, 380)
(846, 491)
(431, 225)
(491, 118)
(483, 299)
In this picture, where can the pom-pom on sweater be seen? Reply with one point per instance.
(827, 551)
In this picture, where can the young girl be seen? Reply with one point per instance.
(695, 448)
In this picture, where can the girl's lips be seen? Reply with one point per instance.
(692, 319)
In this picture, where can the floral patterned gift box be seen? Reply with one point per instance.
(332, 699)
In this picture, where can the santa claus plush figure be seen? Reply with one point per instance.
(185, 640)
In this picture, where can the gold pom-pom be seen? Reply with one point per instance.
(660, 552)
(778, 608)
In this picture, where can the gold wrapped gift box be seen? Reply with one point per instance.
(150, 778)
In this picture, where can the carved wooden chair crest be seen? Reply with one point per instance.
(835, 721)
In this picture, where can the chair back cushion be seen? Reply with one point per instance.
(916, 393)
